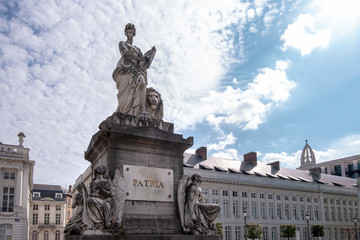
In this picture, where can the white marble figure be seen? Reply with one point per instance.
(196, 217)
(130, 75)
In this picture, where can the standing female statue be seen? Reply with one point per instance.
(130, 75)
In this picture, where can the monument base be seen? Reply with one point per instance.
(143, 237)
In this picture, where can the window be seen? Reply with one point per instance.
(215, 192)
(5, 231)
(262, 211)
(46, 235)
(278, 211)
(34, 235)
(36, 194)
(253, 209)
(339, 214)
(58, 207)
(295, 212)
(326, 213)
(315, 200)
(278, 197)
(69, 202)
(345, 214)
(262, 195)
(286, 198)
(245, 206)
(204, 190)
(333, 214)
(236, 212)
(225, 193)
(235, 193)
(273, 233)
(8, 199)
(46, 218)
(57, 235)
(293, 199)
(227, 233)
(244, 194)
(215, 201)
(316, 212)
(271, 211)
(325, 200)
(302, 212)
(58, 195)
(301, 199)
(237, 233)
(35, 207)
(331, 201)
(265, 233)
(326, 171)
(308, 199)
(35, 218)
(9, 175)
(226, 209)
(270, 196)
(287, 214)
(57, 218)
(47, 207)
(253, 195)
(337, 170)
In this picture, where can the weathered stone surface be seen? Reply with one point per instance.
(116, 145)
(144, 237)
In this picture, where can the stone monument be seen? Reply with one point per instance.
(138, 188)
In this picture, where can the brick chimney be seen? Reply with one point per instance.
(275, 165)
(251, 158)
(202, 152)
(70, 188)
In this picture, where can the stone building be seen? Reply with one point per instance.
(273, 196)
(47, 212)
(68, 199)
(16, 172)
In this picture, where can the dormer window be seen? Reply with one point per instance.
(36, 194)
(58, 195)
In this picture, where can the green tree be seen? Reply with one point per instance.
(254, 231)
(288, 231)
(317, 231)
(219, 228)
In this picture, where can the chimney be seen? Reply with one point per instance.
(251, 158)
(202, 152)
(70, 188)
(275, 165)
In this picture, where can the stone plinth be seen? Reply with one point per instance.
(144, 237)
(128, 140)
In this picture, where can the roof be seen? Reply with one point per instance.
(266, 171)
(48, 191)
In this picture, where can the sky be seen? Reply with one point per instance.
(239, 76)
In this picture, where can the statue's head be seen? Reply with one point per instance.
(130, 26)
(154, 103)
(196, 178)
(101, 170)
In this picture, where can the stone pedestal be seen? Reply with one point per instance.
(127, 140)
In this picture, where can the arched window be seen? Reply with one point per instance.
(46, 235)
(34, 235)
(57, 235)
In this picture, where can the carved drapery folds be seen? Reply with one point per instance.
(196, 217)
(102, 207)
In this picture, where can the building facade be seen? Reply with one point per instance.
(48, 212)
(16, 171)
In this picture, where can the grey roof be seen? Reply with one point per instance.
(265, 171)
(48, 191)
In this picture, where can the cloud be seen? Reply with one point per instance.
(227, 154)
(247, 109)
(221, 145)
(304, 36)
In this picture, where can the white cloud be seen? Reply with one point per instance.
(221, 145)
(304, 36)
(227, 154)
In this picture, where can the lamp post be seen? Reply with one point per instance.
(356, 230)
(307, 216)
(245, 215)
